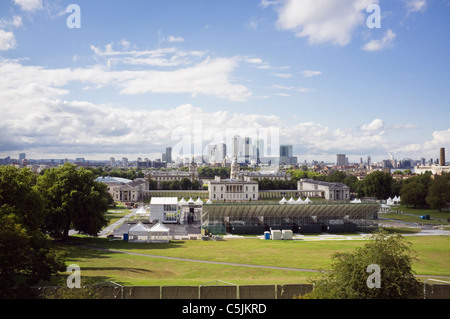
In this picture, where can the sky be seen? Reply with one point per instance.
(109, 78)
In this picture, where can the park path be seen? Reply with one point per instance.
(200, 261)
(110, 228)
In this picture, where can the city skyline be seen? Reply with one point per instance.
(134, 76)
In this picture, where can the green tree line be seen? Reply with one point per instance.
(35, 210)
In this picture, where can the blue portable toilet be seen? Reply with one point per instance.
(125, 237)
(266, 235)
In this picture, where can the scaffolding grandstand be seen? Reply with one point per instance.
(256, 218)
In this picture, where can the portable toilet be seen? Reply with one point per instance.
(266, 235)
(125, 237)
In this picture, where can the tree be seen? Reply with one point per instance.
(73, 200)
(413, 194)
(25, 253)
(439, 192)
(186, 184)
(175, 185)
(351, 275)
(195, 185)
(378, 184)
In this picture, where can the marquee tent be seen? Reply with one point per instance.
(159, 233)
(139, 232)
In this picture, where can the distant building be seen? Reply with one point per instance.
(126, 190)
(437, 169)
(287, 155)
(341, 160)
(234, 189)
(169, 176)
(329, 191)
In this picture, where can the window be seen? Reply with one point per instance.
(170, 217)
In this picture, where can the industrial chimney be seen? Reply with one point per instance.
(442, 158)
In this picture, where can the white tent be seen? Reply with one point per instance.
(138, 232)
(208, 202)
(300, 201)
(198, 201)
(291, 201)
(159, 233)
(283, 201)
(142, 212)
(356, 201)
(307, 200)
(182, 202)
(191, 201)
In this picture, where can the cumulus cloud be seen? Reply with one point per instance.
(29, 5)
(330, 22)
(375, 125)
(7, 40)
(378, 45)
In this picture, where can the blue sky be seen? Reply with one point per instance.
(139, 74)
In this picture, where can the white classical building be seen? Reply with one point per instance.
(126, 190)
(329, 191)
(234, 189)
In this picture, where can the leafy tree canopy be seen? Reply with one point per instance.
(350, 278)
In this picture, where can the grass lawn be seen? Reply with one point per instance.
(116, 213)
(407, 212)
(433, 253)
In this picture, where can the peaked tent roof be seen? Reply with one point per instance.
(159, 227)
(139, 227)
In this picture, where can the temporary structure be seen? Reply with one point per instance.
(142, 212)
(291, 201)
(182, 202)
(308, 201)
(139, 232)
(159, 233)
(199, 202)
(283, 201)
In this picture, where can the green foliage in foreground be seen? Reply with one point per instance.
(349, 277)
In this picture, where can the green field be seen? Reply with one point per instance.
(433, 253)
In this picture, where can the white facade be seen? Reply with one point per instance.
(231, 190)
(434, 169)
(164, 209)
(330, 191)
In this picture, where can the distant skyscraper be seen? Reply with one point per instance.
(22, 156)
(340, 160)
(442, 157)
(112, 162)
(169, 155)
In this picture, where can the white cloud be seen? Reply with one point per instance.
(378, 45)
(163, 57)
(416, 5)
(310, 73)
(29, 5)
(283, 75)
(171, 38)
(16, 22)
(329, 22)
(375, 125)
(7, 40)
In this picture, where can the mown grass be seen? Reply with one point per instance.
(433, 253)
(438, 217)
